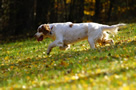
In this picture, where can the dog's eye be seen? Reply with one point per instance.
(40, 30)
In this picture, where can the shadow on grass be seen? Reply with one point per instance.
(60, 66)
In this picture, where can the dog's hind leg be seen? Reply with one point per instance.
(111, 42)
(91, 42)
(65, 47)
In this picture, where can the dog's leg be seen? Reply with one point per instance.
(91, 42)
(105, 40)
(111, 42)
(50, 47)
(54, 44)
(65, 47)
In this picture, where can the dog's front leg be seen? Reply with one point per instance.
(50, 48)
(54, 44)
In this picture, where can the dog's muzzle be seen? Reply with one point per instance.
(40, 38)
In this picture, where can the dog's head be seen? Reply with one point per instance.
(42, 32)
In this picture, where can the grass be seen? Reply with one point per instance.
(25, 65)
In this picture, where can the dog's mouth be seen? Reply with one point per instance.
(40, 38)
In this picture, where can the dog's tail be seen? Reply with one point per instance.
(113, 29)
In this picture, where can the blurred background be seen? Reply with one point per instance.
(22, 17)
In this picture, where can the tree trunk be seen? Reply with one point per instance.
(65, 11)
(81, 11)
(42, 9)
(53, 16)
(0, 8)
(18, 16)
(71, 11)
(97, 11)
(110, 10)
(76, 11)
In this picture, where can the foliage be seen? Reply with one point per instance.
(25, 65)
(19, 16)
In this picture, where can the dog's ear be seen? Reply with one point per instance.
(42, 27)
(45, 28)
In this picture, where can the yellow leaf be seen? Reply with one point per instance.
(64, 63)
(98, 70)
(75, 77)
(73, 87)
(117, 56)
(35, 65)
(11, 67)
(66, 78)
(28, 77)
(33, 82)
(91, 79)
(68, 1)
(8, 52)
(7, 57)
(11, 88)
(126, 88)
(119, 83)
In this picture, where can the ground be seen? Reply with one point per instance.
(25, 65)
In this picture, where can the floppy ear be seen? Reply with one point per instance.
(46, 28)
(42, 27)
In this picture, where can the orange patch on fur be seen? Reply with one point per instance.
(45, 29)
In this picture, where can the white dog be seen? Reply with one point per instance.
(68, 33)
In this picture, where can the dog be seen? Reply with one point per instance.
(67, 33)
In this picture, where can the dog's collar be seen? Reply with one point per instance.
(50, 32)
(51, 29)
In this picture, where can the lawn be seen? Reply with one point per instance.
(25, 65)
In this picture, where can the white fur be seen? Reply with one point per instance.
(38, 34)
(63, 34)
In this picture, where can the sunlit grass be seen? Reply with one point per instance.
(25, 65)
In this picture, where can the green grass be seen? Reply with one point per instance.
(25, 65)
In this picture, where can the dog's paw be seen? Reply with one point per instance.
(62, 48)
(48, 53)
(111, 42)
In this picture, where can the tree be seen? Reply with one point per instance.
(80, 13)
(97, 11)
(0, 7)
(17, 16)
(110, 10)
(53, 16)
(71, 11)
(1, 14)
(76, 11)
(42, 10)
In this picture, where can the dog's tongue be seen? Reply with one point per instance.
(40, 38)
